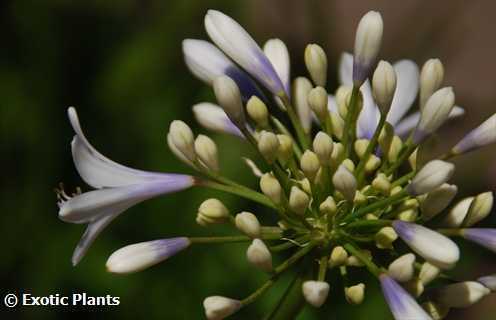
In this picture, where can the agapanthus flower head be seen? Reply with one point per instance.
(340, 173)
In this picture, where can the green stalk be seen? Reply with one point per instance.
(410, 147)
(376, 205)
(348, 135)
(371, 266)
(282, 129)
(300, 133)
(369, 223)
(230, 239)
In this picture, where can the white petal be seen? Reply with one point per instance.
(407, 85)
(370, 114)
(212, 117)
(277, 53)
(462, 294)
(346, 69)
(97, 170)
(408, 123)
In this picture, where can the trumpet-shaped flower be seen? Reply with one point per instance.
(119, 188)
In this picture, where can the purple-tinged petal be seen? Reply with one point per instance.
(214, 118)
(485, 237)
(370, 114)
(488, 281)
(277, 53)
(481, 136)
(139, 256)
(207, 62)
(402, 305)
(434, 247)
(229, 36)
(407, 85)
(408, 123)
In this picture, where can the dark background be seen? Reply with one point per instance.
(120, 64)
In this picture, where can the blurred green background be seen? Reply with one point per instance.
(120, 64)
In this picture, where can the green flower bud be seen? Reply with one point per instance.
(257, 110)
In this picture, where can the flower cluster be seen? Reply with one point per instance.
(343, 173)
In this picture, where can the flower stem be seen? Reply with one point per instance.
(323, 267)
(230, 239)
(300, 133)
(410, 147)
(350, 123)
(376, 205)
(369, 223)
(372, 267)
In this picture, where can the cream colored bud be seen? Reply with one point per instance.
(428, 272)
(371, 216)
(253, 167)
(412, 159)
(271, 187)
(229, 98)
(177, 152)
(409, 215)
(338, 257)
(381, 184)
(317, 100)
(328, 206)
(395, 148)
(430, 177)
(285, 151)
(315, 292)
(259, 255)
(206, 150)
(268, 145)
(384, 85)
(436, 201)
(372, 164)
(462, 294)
(355, 294)
(349, 165)
(415, 287)
(337, 125)
(353, 261)
(257, 110)
(457, 214)
(247, 223)
(361, 146)
(411, 203)
(402, 269)
(367, 44)
(431, 78)
(309, 164)
(298, 200)
(385, 237)
(435, 113)
(344, 181)
(343, 95)
(301, 89)
(316, 63)
(396, 190)
(479, 209)
(218, 308)
(183, 139)
(305, 185)
(337, 153)
(360, 198)
(212, 211)
(322, 146)
(435, 310)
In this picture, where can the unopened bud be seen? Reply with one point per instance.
(309, 164)
(298, 200)
(183, 139)
(386, 138)
(285, 151)
(372, 164)
(328, 207)
(361, 146)
(385, 237)
(337, 153)
(259, 255)
(337, 125)
(415, 287)
(229, 98)
(355, 294)
(402, 269)
(462, 294)
(384, 85)
(395, 148)
(353, 261)
(431, 78)
(345, 182)
(268, 145)
(315, 292)
(316, 63)
(206, 150)
(457, 214)
(218, 308)
(367, 44)
(301, 89)
(428, 272)
(343, 95)
(317, 100)
(338, 257)
(479, 209)
(322, 146)
(409, 215)
(430, 177)
(257, 110)
(271, 187)
(247, 223)
(212, 211)
(437, 200)
(382, 184)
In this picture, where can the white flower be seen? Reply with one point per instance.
(277, 53)
(119, 187)
(432, 246)
(228, 35)
(139, 256)
(301, 89)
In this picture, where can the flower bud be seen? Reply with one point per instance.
(271, 187)
(488, 281)
(412, 159)
(385, 237)
(409, 215)
(278, 55)
(247, 223)
(343, 95)
(435, 310)
(435, 113)
(218, 308)
(479, 209)
(316, 63)
(431, 78)
(367, 44)
(483, 135)
(437, 200)
(428, 272)
(298, 200)
(317, 100)
(229, 98)
(337, 153)
(415, 287)
(360, 198)
(386, 138)
(183, 139)
(328, 206)
(462, 294)
(206, 150)
(177, 152)
(430, 177)
(348, 164)
(402, 269)
(382, 184)
(322, 146)
(457, 214)
(338, 257)
(309, 164)
(212, 211)
(285, 151)
(268, 145)
(315, 292)
(384, 85)
(355, 294)
(395, 148)
(257, 110)
(337, 125)
(372, 164)
(353, 261)
(259, 255)
(345, 182)
(301, 89)
(361, 146)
